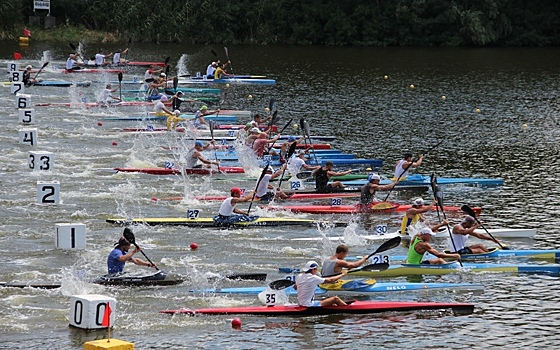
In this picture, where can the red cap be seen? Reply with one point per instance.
(236, 190)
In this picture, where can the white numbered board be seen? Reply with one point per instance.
(11, 67)
(381, 229)
(26, 116)
(15, 76)
(23, 101)
(70, 236)
(87, 311)
(40, 160)
(336, 202)
(378, 259)
(48, 192)
(296, 185)
(17, 87)
(193, 213)
(28, 137)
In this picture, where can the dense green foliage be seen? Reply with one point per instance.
(324, 22)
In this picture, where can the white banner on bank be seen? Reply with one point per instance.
(42, 5)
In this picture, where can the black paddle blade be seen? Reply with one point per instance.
(468, 210)
(129, 235)
(302, 125)
(271, 104)
(167, 60)
(120, 76)
(286, 126)
(247, 276)
(281, 284)
(175, 83)
(72, 46)
(214, 52)
(211, 124)
(292, 149)
(390, 244)
(274, 118)
(166, 71)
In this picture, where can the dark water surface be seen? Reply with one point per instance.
(499, 118)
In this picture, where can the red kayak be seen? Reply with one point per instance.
(299, 145)
(357, 208)
(357, 307)
(93, 70)
(94, 104)
(194, 171)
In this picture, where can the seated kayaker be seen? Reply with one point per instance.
(258, 119)
(174, 119)
(368, 190)
(420, 244)
(211, 69)
(121, 254)
(159, 108)
(403, 165)
(194, 155)
(72, 63)
(262, 192)
(337, 262)
(414, 214)
(26, 79)
(307, 281)
(100, 58)
(107, 96)
(461, 233)
(117, 57)
(228, 213)
(220, 72)
(199, 122)
(322, 176)
(260, 146)
(296, 163)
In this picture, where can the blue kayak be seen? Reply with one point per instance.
(496, 253)
(346, 162)
(425, 180)
(354, 287)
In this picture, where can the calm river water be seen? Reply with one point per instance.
(499, 118)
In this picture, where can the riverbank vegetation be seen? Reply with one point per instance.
(299, 22)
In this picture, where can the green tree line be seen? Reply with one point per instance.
(307, 22)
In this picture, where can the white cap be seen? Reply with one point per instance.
(255, 130)
(163, 98)
(427, 231)
(177, 112)
(162, 74)
(310, 266)
(418, 201)
(29, 66)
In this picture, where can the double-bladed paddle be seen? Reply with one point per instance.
(390, 244)
(40, 70)
(73, 47)
(306, 133)
(438, 196)
(211, 125)
(465, 208)
(291, 151)
(227, 56)
(129, 235)
(263, 173)
(127, 47)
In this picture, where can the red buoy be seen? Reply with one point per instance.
(99, 124)
(236, 323)
(194, 246)
(114, 143)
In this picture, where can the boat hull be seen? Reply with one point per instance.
(352, 209)
(159, 278)
(209, 222)
(358, 307)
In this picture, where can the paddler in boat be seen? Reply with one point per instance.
(176, 100)
(296, 163)
(322, 176)
(121, 254)
(461, 233)
(211, 69)
(337, 262)
(260, 145)
(414, 214)
(107, 96)
(26, 79)
(368, 191)
(153, 91)
(117, 57)
(228, 213)
(159, 106)
(220, 71)
(174, 119)
(286, 146)
(258, 119)
(149, 74)
(194, 155)
(100, 58)
(72, 63)
(420, 245)
(253, 135)
(199, 122)
(262, 192)
(307, 281)
(403, 166)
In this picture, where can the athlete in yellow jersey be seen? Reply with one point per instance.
(414, 214)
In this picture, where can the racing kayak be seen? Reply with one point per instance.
(219, 118)
(235, 81)
(357, 307)
(209, 222)
(187, 91)
(295, 196)
(357, 208)
(354, 287)
(190, 171)
(425, 180)
(92, 70)
(454, 267)
(496, 232)
(55, 83)
(496, 253)
(93, 104)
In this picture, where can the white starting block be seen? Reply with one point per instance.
(28, 137)
(40, 160)
(86, 311)
(70, 236)
(26, 116)
(23, 101)
(48, 192)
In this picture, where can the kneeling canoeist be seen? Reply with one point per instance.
(322, 176)
(228, 213)
(461, 233)
(420, 244)
(121, 254)
(307, 281)
(368, 190)
(337, 262)
(414, 214)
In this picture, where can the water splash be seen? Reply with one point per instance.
(182, 65)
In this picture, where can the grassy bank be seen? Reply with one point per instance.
(64, 34)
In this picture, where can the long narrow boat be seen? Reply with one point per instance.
(56, 83)
(209, 222)
(455, 267)
(354, 209)
(357, 307)
(189, 171)
(496, 253)
(233, 81)
(94, 104)
(425, 180)
(91, 63)
(295, 196)
(354, 287)
(93, 70)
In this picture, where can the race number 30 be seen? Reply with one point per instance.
(48, 192)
